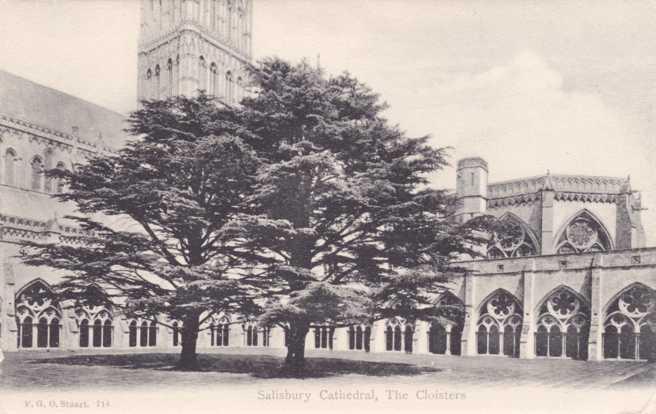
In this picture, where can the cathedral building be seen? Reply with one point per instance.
(573, 279)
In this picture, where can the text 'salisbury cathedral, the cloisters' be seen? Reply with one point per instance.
(574, 281)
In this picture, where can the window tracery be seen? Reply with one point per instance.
(499, 325)
(512, 239)
(630, 325)
(37, 316)
(583, 234)
(563, 326)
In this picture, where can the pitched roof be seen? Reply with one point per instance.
(25, 100)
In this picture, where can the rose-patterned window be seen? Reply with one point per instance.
(630, 325)
(499, 325)
(583, 234)
(38, 316)
(512, 238)
(563, 326)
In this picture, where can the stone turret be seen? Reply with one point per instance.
(471, 188)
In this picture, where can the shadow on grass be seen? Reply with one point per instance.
(260, 366)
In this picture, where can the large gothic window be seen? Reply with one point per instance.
(202, 73)
(158, 83)
(214, 80)
(512, 239)
(563, 326)
(169, 71)
(499, 325)
(37, 316)
(583, 234)
(60, 182)
(629, 325)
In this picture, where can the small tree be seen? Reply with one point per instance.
(342, 198)
(165, 239)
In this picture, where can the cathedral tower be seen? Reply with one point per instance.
(187, 45)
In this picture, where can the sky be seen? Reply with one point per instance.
(565, 86)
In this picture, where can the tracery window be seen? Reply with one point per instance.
(512, 239)
(229, 87)
(563, 326)
(359, 337)
(583, 234)
(256, 336)
(95, 326)
(499, 325)
(399, 335)
(36, 303)
(629, 327)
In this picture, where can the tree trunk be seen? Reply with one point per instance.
(295, 360)
(188, 357)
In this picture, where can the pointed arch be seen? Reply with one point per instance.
(481, 304)
(624, 290)
(518, 242)
(583, 232)
(562, 324)
(556, 289)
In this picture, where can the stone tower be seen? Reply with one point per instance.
(471, 188)
(187, 45)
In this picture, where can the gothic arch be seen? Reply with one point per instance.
(589, 235)
(629, 324)
(37, 316)
(490, 295)
(523, 243)
(623, 290)
(562, 324)
(498, 324)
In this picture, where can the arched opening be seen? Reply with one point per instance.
(512, 238)
(408, 339)
(582, 234)
(563, 325)
(143, 334)
(97, 333)
(37, 173)
(499, 325)
(10, 167)
(437, 338)
(628, 314)
(397, 338)
(132, 332)
(35, 302)
(152, 334)
(84, 334)
(107, 333)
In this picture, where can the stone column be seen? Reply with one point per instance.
(527, 337)
(421, 337)
(595, 348)
(469, 328)
(448, 340)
